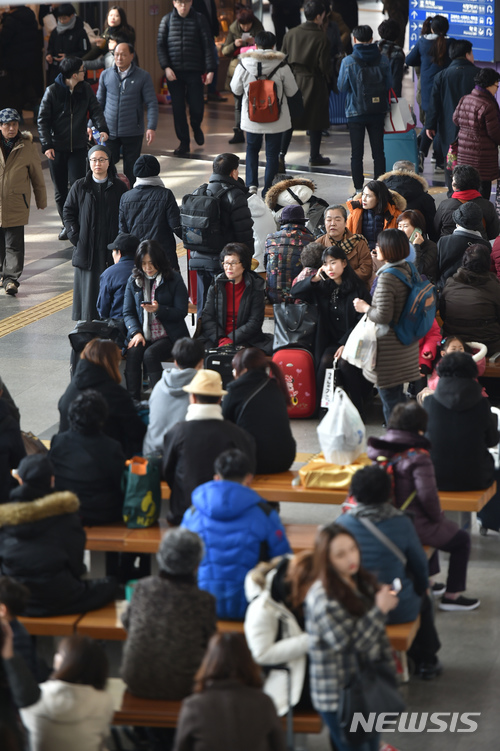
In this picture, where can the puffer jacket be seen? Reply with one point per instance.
(363, 54)
(282, 259)
(391, 212)
(396, 363)
(414, 473)
(239, 529)
(185, 44)
(172, 298)
(21, 171)
(150, 212)
(257, 63)
(123, 101)
(250, 313)
(470, 307)
(421, 57)
(62, 117)
(478, 118)
(298, 191)
(450, 252)
(79, 216)
(461, 427)
(445, 225)
(414, 189)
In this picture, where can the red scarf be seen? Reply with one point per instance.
(466, 195)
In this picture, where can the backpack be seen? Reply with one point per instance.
(263, 103)
(388, 466)
(419, 310)
(371, 90)
(200, 220)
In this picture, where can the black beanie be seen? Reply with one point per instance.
(147, 166)
(468, 216)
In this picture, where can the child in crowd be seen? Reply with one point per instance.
(310, 258)
(451, 344)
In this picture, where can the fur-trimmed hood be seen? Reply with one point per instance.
(26, 135)
(402, 173)
(264, 55)
(279, 196)
(399, 201)
(27, 512)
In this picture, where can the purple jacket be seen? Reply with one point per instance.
(415, 472)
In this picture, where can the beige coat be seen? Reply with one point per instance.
(22, 170)
(359, 258)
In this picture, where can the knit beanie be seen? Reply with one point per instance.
(293, 215)
(147, 165)
(468, 216)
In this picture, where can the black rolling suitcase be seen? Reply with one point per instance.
(220, 358)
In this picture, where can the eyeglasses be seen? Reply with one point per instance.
(230, 264)
(82, 70)
(99, 161)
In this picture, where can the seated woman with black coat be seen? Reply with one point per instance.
(154, 309)
(88, 462)
(235, 300)
(333, 289)
(257, 401)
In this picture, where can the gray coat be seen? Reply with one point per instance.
(168, 405)
(396, 362)
(123, 102)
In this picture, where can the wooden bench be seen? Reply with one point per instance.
(55, 625)
(492, 369)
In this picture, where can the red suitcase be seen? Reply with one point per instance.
(297, 366)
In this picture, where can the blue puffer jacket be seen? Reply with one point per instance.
(378, 559)
(421, 55)
(239, 529)
(347, 80)
(123, 101)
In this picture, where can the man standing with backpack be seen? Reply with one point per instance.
(214, 215)
(366, 78)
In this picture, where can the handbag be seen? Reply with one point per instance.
(142, 490)
(398, 118)
(361, 347)
(294, 326)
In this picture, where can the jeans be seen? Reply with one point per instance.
(331, 721)
(153, 354)
(131, 150)
(390, 397)
(187, 88)
(66, 167)
(254, 145)
(11, 254)
(375, 129)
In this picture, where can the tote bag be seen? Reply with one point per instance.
(398, 118)
(142, 488)
(294, 326)
(361, 347)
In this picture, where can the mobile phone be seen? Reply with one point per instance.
(323, 276)
(396, 585)
(417, 231)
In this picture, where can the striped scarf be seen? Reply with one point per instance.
(347, 243)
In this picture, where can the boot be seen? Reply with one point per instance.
(238, 137)
(281, 164)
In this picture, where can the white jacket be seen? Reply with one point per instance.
(263, 225)
(262, 622)
(68, 717)
(286, 86)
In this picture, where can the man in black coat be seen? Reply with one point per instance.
(68, 38)
(185, 51)
(236, 222)
(466, 186)
(450, 85)
(191, 447)
(414, 189)
(149, 211)
(62, 126)
(20, 57)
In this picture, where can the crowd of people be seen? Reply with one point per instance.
(225, 553)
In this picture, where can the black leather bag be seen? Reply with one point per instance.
(294, 326)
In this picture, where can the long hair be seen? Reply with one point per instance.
(227, 657)
(122, 14)
(83, 662)
(252, 358)
(335, 587)
(159, 259)
(300, 575)
(350, 280)
(439, 26)
(383, 195)
(106, 354)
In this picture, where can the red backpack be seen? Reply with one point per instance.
(263, 103)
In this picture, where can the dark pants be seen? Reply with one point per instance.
(204, 278)
(486, 189)
(237, 111)
(131, 150)
(284, 18)
(459, 549)
(426, 643)
(96, 594)
(65, 168)
(254, 145)
(286, 138)
(187, 88)
(11, 254)
(153, 354)
(332, 722)
(347, 376)
(375, 129)
(314, 143)
(390, 397)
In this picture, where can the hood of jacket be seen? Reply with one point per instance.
(88, 375)
(459, 394)
(224, 500)
(174, 379)
(17, 513)
(260, 578)
(395, 441)
(279, 195)
(355, 201)
(70, 703)
(400, 180)
(367, 53)
(262, 56)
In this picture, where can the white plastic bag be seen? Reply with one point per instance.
(399, 118)
(342, 433)
(361, 347)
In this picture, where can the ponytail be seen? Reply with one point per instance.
(439, 26)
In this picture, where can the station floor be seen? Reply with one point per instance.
(34, 363)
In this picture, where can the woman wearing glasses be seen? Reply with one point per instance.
(90, 217)
(235, 301)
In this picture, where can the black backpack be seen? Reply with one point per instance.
(371, 90)
(200, 220)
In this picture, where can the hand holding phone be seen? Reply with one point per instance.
(396, 585)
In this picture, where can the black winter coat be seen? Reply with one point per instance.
(20, 40)
(235, 221)
(200, 6)
(91, 466)
(63, 116)
(172, 298)
(80, 219)
(11, 449)
(123, 423)
(426, 259)
(189, 451)
(74, 43)
(265, 417)
(150, 212)
(185, 44)
(250, 313)
(445, 225)
(414, 189)
(451, 249)
(461, 427)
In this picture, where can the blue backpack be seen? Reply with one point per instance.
(419, 311)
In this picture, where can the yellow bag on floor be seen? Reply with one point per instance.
(318, 473)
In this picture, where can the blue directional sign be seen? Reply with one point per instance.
(474, 21)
